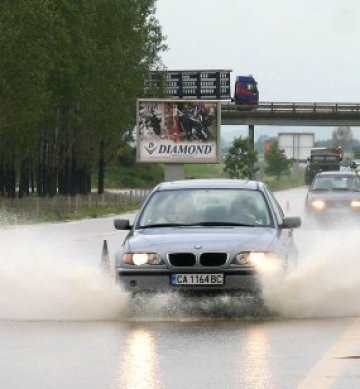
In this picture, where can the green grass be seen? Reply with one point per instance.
(139, 176)
(143, 176)
(58, 216)
(286, 182)
(217, 171)
(146, 176)
(204, 171)
(94, 213)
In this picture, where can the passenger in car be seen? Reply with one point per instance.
(243, 210)
(216, 214)
(326, 184)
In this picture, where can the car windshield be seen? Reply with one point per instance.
(345, 183)
(206, 207)
(324, 158)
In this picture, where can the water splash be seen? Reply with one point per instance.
(41, 279)
(326, 282)
(40, 282)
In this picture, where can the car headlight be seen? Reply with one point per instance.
(142, 259)
(265, 263)
(355, 203)
(318, 204)
(254, 258)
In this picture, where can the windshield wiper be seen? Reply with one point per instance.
(216, 224)
(345, 190)
(199, 224)
(163, 225)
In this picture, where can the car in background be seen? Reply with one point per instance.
(355, 165)
(334, 196)
(204, 235)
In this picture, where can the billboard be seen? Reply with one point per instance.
(296, 145)
(181, 131)
(196, 84)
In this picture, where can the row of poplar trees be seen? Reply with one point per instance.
(70, 73)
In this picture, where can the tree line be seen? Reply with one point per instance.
(70, 75)
(240, 160)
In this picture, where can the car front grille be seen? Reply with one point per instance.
(338, 203)
(182, 259)
(213, 259)
(189, 259)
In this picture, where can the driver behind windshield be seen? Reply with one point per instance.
(185, 211)
(243, 210)
(339, 183)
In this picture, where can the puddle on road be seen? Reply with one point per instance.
(40, 283)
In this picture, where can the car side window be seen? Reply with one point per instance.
(356, 183)
(279, 214)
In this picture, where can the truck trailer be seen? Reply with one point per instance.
(322, 159)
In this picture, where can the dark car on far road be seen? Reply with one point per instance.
(207, 235)
(334, 196)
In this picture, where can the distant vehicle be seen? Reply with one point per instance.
(334, 196)
(322, 159)
(207, 235)
(355, 165)
(246, 91)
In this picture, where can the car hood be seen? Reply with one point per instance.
(210, 239)
(334, 195)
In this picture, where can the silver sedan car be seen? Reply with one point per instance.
(334, 197)
(205, 235)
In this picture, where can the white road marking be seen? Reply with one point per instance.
(329, 368)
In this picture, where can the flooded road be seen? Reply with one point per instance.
(190, 354)
(65, 324)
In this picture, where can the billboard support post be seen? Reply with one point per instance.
(174, 171)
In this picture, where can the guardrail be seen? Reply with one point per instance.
(296, 107)
(17, 210)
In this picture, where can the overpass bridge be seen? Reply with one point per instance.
(290, 114)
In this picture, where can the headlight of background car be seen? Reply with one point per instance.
(255, 258)
(355, 203)
(142, 259)
(319, 205)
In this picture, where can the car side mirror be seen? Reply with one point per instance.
(353, 165)
(122, 224)
(291, 222)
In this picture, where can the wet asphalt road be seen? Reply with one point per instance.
(64, 324)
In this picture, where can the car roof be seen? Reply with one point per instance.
(337, 173)
(211, 183)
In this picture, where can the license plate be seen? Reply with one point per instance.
(197, 279)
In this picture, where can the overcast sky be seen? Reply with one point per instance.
(303, 50)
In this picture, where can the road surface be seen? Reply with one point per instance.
(65, 324)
